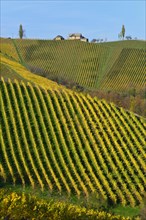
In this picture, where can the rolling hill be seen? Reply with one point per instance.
(64, 142)
(11, 69)
(93, 66)
(71, 143)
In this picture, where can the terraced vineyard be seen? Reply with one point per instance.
(72, 60)
(68, 142)
(93, 66)
(128, 71)
(7, 48)
(10, 69)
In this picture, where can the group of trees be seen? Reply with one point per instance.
(99, 40)
(121, 35)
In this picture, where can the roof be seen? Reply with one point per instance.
(59, 36)
(84, 37)
(75, 34)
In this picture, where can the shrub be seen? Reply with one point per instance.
(15, 206)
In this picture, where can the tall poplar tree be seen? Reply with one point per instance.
(123, 31)
(21, 31)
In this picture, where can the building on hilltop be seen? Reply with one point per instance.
(77, 36)
(58, 37)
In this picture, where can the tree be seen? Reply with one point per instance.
(21, 31)
(123, 31)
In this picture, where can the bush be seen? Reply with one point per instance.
(22, 206)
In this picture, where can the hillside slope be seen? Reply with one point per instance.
(115, 66)
(71, 143)
(11, 69)
(128, 71)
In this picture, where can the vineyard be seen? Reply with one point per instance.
(7, 48)
(126, 71)
(86, 155)
(92, 66)
(72, 143)
(11, 69)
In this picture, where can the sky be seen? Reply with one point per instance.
(45, 19)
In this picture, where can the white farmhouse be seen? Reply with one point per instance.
(77, 36)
